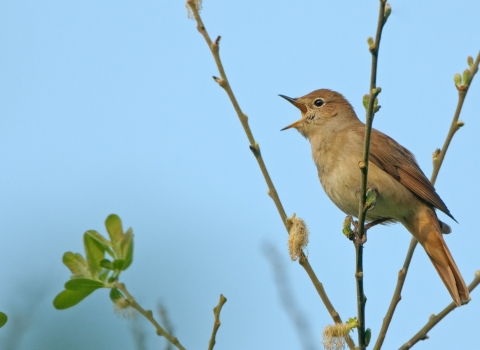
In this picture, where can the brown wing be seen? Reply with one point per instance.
(400, 163)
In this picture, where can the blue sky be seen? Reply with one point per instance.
(109, 107)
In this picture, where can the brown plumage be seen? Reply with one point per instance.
(400, 163)
(404, 192)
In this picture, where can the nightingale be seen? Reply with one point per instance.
(404, 194)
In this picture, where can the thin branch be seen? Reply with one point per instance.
(223, 82)
(434, 319)
(402, 274)
(371, 109)
(462, 93)
(437, 163)
(148, 315)
(216, 324)
(255, 148)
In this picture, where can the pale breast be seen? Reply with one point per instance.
(340, 177)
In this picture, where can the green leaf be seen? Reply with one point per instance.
(347, 227)
(106, 264)
(102, 276)
(94, 252)
(105, 243)
(368, 336)
(127, 248)
(115, 231)
(115, 294)
(76, 263)
(83, 284)
(371, 199)
(118, 264)
(69, 298)
(3, 319)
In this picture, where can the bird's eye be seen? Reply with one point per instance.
(318, 102)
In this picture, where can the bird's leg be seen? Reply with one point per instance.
(363, 240)
(355, 237)
(369, 226)
(376, 222)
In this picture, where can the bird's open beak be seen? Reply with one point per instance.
(297, 104)
(293, 125)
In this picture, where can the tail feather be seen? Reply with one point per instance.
(448, 272)
(429, 234)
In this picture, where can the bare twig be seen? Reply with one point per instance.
(255, 148)
(216, 324)
(371, 109)
(434, 319)
(148, 315)
(437, 163)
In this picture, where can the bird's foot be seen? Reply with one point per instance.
(355, 237)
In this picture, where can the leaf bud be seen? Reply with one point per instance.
(388, 11)
(457, 78)
(466, 77)
(470, 61)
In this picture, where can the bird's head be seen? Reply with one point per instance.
(322, 109)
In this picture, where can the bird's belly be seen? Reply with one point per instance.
(342, 186)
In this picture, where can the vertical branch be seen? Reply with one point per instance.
(437, 163)
(371, 109)
(255, 148)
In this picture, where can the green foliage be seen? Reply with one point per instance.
(69, 298)
(365, 100)
(347, 227)
(115, 294)
(3, 319)
(368, 336)
(371, 198)
(95, 271)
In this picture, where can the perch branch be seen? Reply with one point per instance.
(360, 239)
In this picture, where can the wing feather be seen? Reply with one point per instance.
(400, 163)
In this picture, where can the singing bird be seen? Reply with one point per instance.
(404, 194)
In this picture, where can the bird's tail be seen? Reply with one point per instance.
(427, 231)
